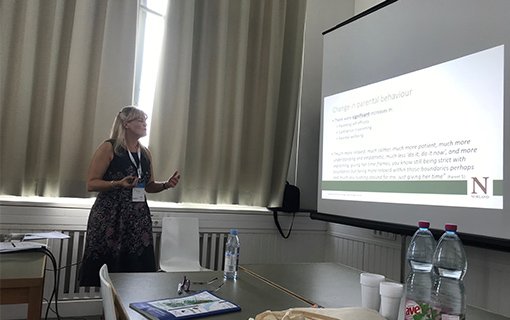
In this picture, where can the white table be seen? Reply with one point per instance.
(251, 293)
(22, 280)
(330, 285)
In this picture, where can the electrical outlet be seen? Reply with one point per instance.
(384, 235)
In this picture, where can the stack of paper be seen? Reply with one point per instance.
(201, 304)
(19, 246)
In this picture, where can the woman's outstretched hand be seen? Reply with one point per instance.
(174, 180)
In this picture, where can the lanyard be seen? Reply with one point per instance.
(139, 166)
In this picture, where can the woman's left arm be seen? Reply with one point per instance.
(158, 186)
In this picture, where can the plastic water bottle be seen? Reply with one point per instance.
(419, 281)
(450, 265)
(232, 256)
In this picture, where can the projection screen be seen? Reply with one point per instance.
(415, 107)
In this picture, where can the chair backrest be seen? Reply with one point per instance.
(107, 294)
(180, 247)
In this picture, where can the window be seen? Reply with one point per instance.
(151, 26)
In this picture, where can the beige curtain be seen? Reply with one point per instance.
(66, 68)
(226, 99)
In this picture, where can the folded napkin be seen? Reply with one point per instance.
(354, 313)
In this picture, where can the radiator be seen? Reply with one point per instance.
(68, 253)
(371, 255)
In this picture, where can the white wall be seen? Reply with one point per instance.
(362, 5)
(320, 16)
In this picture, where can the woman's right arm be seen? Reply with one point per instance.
(97, 168)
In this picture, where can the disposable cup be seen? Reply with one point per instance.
(391, 295)
(370, 297)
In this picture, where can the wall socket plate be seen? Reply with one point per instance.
(384, 235)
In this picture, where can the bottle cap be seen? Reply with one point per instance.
(450, 227)
(233, 231)
(423, 224)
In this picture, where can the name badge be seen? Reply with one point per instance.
(139, 193)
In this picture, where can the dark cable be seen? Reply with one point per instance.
(56, 279)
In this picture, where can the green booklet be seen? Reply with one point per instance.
(197, 305)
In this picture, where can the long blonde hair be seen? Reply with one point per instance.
(118, 132)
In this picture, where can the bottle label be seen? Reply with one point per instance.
(419, 311)
(230, 263)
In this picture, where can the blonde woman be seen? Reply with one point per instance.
(119, 229)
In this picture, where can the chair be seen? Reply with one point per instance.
(107, 294)
(180, 247)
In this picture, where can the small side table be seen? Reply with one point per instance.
(22, 280)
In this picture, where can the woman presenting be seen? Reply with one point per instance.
(119, 229)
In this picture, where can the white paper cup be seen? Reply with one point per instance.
(391, 295)
(370, 297)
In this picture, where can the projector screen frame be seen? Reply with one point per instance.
(484, 241)
(360, 15)
(402, 229)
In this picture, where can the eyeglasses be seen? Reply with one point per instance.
(141, 120)
(184, 286)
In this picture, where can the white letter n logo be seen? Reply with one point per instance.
(477, 182)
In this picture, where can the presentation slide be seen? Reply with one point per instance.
(429, 137)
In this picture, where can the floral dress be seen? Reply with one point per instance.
(119, 231)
